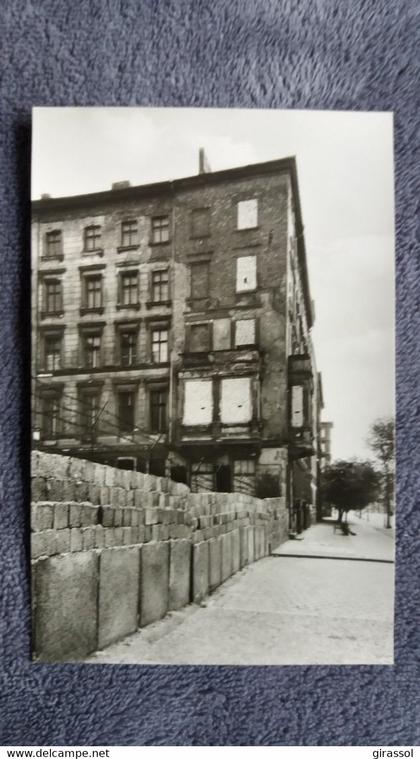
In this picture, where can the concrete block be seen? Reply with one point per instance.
(226, 548)
(179, 573)
(160, 532)
(65, 621)
(151, 516)
(76, 539)
(251, 544)
(259, 542)
(215, 563)
(200, 571)
(109, 537)
(75, 510)
(69, 490)
(118, 536)
(41, 516)
(154, 582)
(119, 585)
(236, 561)
(88, 538)
(61, 515)
(107, 516)
(38, 545)
(126, 536)
(39, 489)
(243, 547)
(88, 514)
(126, 517)
(118, 517)
(104, 496)
(62, 541)
(94, 493)
(81, 491)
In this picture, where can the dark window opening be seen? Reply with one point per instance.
(130, 288)
(53, 244)
(179, 474)
(52, 353)
(128, 348)
(93, 292)
(50, 422)
(53, 296)
(89, 411)
(126, 405)
(157, 467)
(223, 478)
(158, 410)
(92, 351)
(199, 338)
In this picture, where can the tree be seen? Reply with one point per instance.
(349, 485)
(381, 440)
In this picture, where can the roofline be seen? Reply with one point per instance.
(168, 187)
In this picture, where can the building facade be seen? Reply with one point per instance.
(171, 330)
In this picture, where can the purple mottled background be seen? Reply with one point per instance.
(250, 53)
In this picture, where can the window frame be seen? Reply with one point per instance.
(123, 289)
(155, 328)
(53, 249)
(88, 432)
(156, 273)
(191, 327)
(57, 297)
(51, 397)
(159, 428)
(48, 337)
(132, 233)
(241, 346)
(254, 287)
(88, 237)
(257, 209)
(89, 277)
(129, 391)
(160, 232)
(122, 333)
(85, 336)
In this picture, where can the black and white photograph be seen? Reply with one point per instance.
(212, 386)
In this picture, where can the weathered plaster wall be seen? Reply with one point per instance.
(113, 550)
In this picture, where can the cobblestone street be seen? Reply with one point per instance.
(294, 607)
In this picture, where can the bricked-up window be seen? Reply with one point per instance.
(129, 233)
(221, 334)
(53, 246)
(244, 476)
(198, 402)
(247, 214)
(128, 347)
(93, 237)
(160, 229)
(297, 406)
(200, 273)
(200, 222)
(160, 286)
(129, 288)
(158, 410)
(52, 352)
(53, 296)
(246, 273)
(235, 405)
(160, 338)
(51, 415)
(126, 410)
(89, 408)
(199, 338)
(93, 291)
(244, 332)
(92, 350)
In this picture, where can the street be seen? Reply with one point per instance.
(322, 599)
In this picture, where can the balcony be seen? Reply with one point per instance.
(233, 358)
(217, 433)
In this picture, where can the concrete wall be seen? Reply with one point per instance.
(113, 550)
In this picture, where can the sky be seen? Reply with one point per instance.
(346, 184)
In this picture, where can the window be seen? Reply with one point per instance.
(202, 476)
(93, 238)
(199, 280)
(129, 233)
(159, 345)
(221, 334)
(244, 332)
(93, 292)
(158, 410)
(160, 286)
(199, 338)
(50, 411)
(247, 214)
(52, 352)
(126, 406)
(129, 288)
(160, 229)
(92, 350)
(246, 273)
(89, 407)
(128, 347)
(235, 406)
(244, 476)
(200, 222)
(53, 244)
(297, 406)
(198, 402)
(53, 296)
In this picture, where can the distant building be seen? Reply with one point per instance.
(325, 440)
(171, 330)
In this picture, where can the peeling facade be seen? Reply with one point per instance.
(171, 331)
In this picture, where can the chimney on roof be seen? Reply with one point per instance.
(45, 196)
(120, 185)
(203, 164)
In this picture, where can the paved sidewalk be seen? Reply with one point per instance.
(283, 611)
(370, 542)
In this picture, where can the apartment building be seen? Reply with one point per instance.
(171, 330)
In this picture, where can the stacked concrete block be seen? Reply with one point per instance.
(154, 582)
(119, 588)
(179, 574)
(200, 571)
